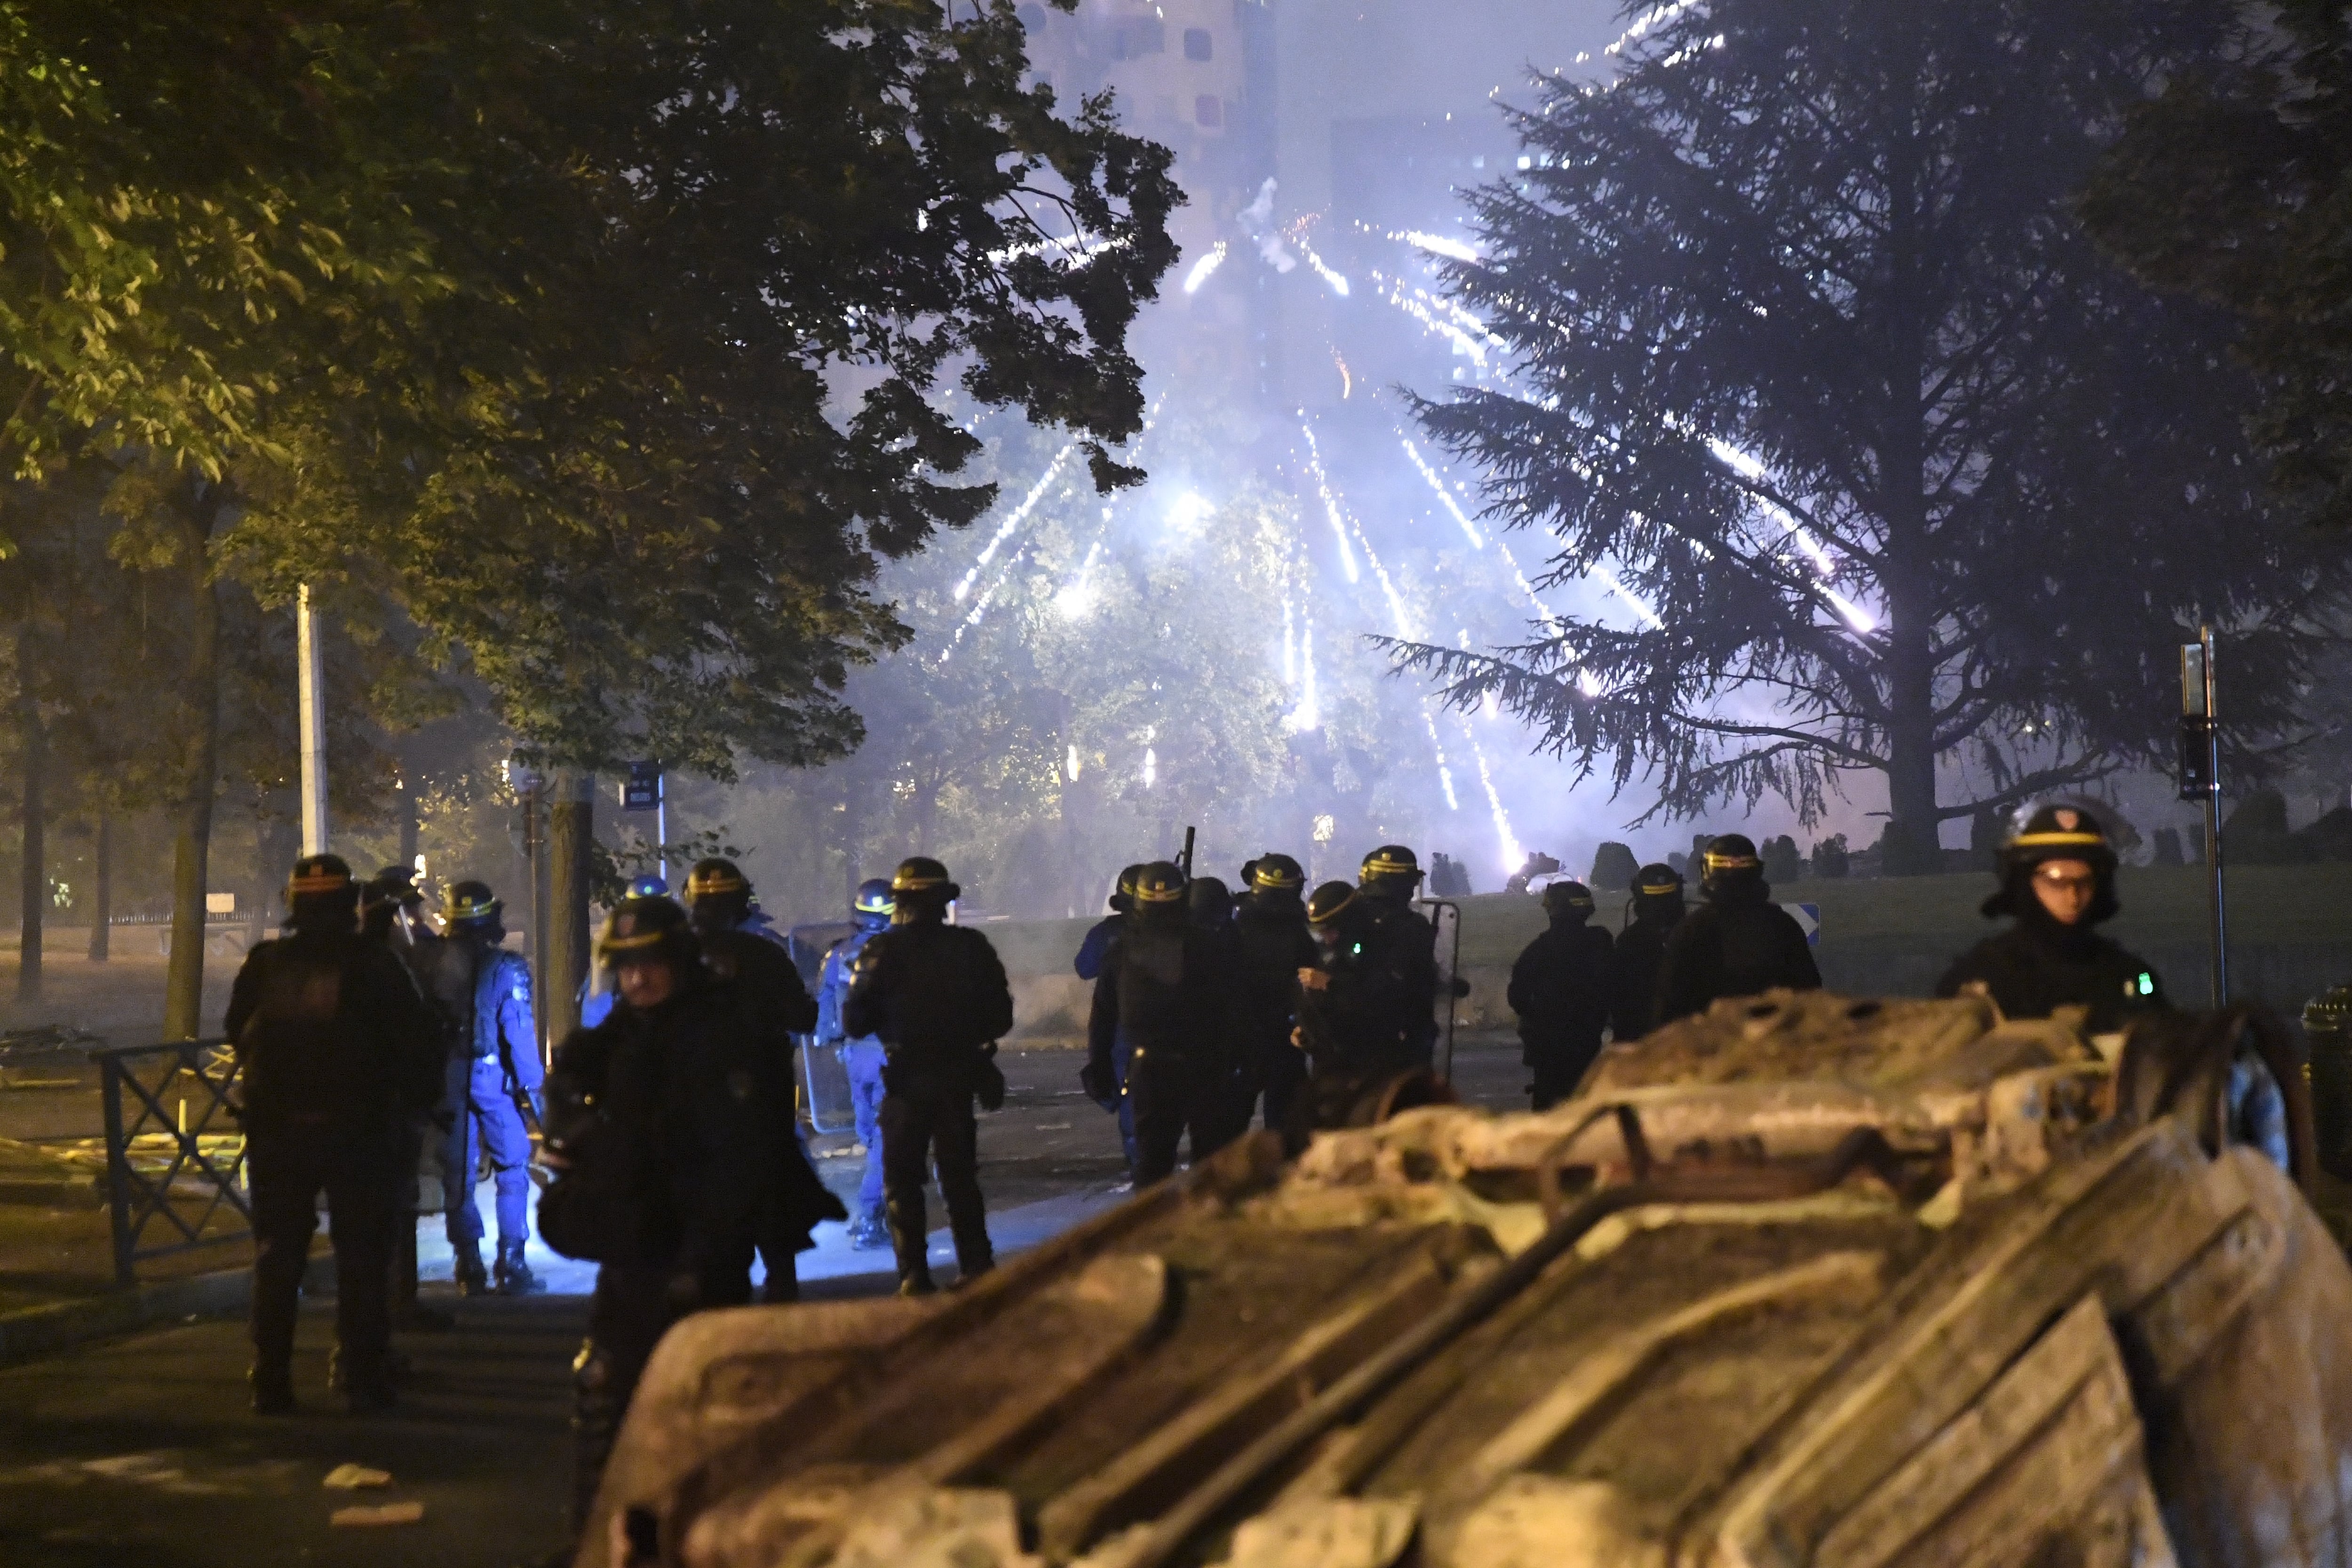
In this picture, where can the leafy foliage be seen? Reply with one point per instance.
(2232, 186)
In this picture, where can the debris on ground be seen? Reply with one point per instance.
(352, 1477)
(364, 1516)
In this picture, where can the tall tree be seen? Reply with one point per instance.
(1906, 478)
(2232, 186)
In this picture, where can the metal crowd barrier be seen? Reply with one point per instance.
(192, 1185)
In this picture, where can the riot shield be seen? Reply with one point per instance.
(1447, 916)
(824, 1081)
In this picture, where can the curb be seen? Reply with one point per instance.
(33, 1332)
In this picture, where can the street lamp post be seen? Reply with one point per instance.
(311, 692)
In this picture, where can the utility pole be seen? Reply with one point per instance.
(2201, 779)
(311, 692)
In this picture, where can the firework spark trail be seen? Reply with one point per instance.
(1825, 564)
(1406, 629)
(1102, 531)
(1020, 515)
(1206, 268)
(1513, 856)
(1337, 283)
(1330, 501)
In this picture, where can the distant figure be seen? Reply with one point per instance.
(1560, 989)
(497, 1076)
(1168, 993)
(337, 1052)
(1406, 941)
(392, 913)
(1654, 909)
(1354, 1010)
(742, 949)
(861, 1057)
(1274, 946)
(936, 997)
(1088, 962)
(1106, 1084)
(2058, 881)
(1738, 943)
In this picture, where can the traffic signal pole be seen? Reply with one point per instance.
(2201, 778)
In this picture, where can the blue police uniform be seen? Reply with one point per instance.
(1089, 964)
(504, 1056)
(862, 1056)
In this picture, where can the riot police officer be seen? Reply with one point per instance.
(936, 997)
(1354, 1015)
(336, 1052)
(1167, 992)
(861, 1057)
(496, 1076)
(1654, 912)
(1738, 944)
(1408, 942)
(1089, 962)
(671, 1149)
(2058, 885)
(1271, 933)
(1560, 989)
(1106, 1082)
(392, 915)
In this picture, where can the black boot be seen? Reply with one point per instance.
(596, 1415)
(473, 1279)
(909, 1240)
(273, 1389)
(514, 1277)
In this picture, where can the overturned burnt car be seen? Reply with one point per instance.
(1802, 1280)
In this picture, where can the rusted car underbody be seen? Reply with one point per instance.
(1805, 1280)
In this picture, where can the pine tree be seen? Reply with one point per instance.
(1898, 475)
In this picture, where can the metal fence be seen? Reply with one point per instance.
(174, 1150)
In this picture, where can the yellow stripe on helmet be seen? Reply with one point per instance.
(1730, 862)
(301, 887)
(1327, 916)
(916, 884)
(698, 885)
(474, 910)
(2042, 841)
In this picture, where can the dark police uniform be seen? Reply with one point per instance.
(1271, 936)
(1640, 951)
(936, 997)
(2041, 963)
(1560, 989)
(335, 1045)
(1355, 1029)
(1166, 992)
(673, 1109)
(1738, 943)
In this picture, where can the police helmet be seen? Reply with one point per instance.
(921, 882)
(470, 903)
(1657, 880)
(1567, 898)
(395, 886)
(2056, 833)
(1392, 867)
(1159, 885)
(1210, 902)
(1329, 902)
(641, 928)
(1728, 858)
(716, 879)
(648, 885)
(321, 891)
(1122, 898)
(1276, 874)
(874, 898)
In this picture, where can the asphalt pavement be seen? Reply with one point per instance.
(143, 1448)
